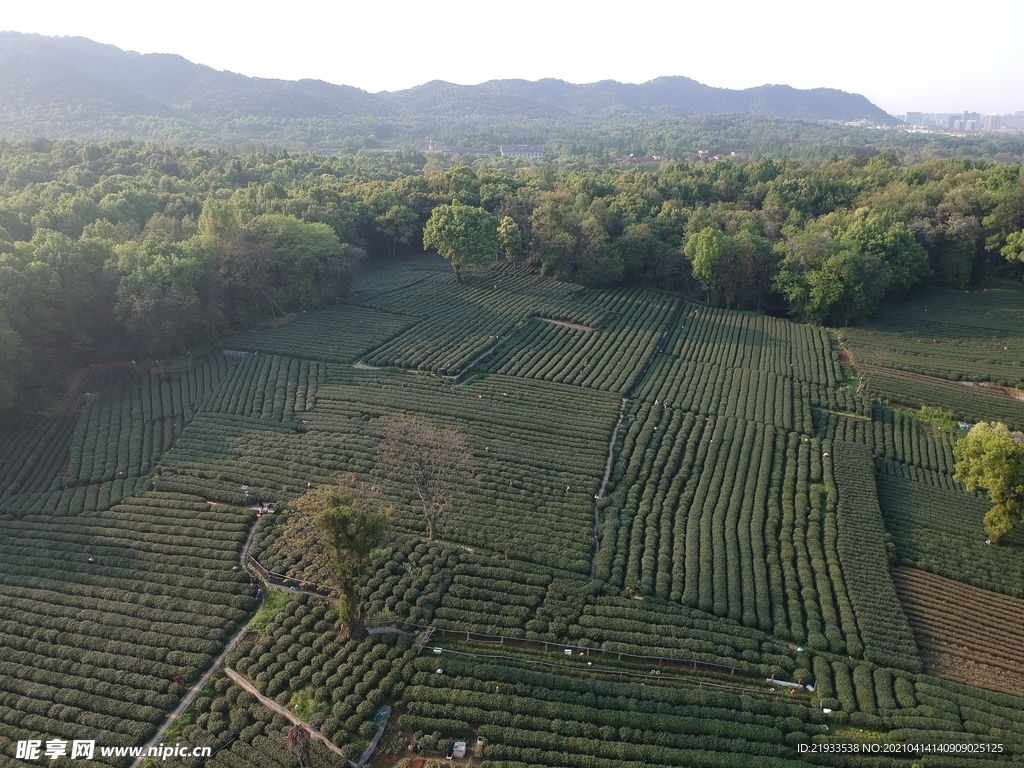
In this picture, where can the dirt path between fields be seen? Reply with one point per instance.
(604, 484)
(987, 387)
(615, 433)
(567, 324)
(273, 706)
(190, 696)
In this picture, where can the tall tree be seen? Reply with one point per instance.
(992, 458)
(350, 528)
(398, 224)
(464, 235)
(435, 461)
(159, 296)
(308, 267)
(1013, 251)
(510, 239)
(704, 250)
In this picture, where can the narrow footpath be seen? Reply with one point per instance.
(615, 433)
(190, 696)
(604, 484)
(273, 706)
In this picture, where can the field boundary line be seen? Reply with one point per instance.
(604, 484)
(982, 387)
(273, 706)
(192, 692)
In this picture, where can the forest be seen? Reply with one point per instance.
(122, 249)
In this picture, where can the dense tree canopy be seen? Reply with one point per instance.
(126, 249)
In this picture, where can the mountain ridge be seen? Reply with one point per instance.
(67, 79)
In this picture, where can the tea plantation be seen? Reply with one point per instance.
(689, 539)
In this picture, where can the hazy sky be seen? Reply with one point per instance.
(918, 55)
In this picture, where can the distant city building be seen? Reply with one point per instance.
(964, 122)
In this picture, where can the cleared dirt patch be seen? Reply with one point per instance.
(964, 633)
(954, 667)
(567, 324)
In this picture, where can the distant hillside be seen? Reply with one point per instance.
(665, 96)
(72, 86)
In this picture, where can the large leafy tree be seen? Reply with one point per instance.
(882, 235)
(463, 234)
(510, 239)
(350, 529)
(828, 281)
(398, 224)
(1013, 251)
(992, 458)
(704, 250)
(837, 269)
(572, 241)
(640, 251)
(307, 265)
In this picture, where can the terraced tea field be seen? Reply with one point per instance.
(105, 615)
(963, 352)
(954, 335)
(686, 541)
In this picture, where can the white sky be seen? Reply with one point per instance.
(917, 55)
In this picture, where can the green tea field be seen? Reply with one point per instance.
(687, 538)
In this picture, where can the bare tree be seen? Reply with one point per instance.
(434, 461)
(297, 741)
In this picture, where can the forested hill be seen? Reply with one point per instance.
(677, 96)
(74, 87)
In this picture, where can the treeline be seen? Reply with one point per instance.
(595, 138)
(124, 249)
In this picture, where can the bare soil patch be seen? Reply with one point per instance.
(952, 666)
(567, 324)
(964, 633)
